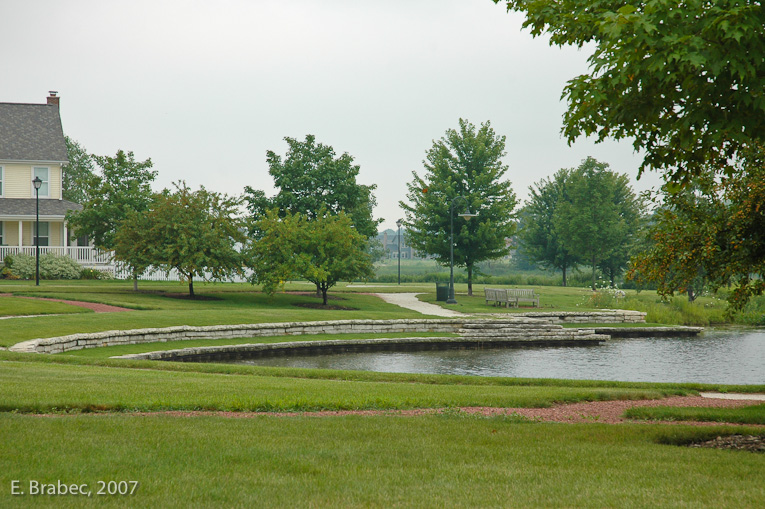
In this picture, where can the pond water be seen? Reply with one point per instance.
(717, 356)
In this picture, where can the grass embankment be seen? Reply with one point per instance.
(65, 382)
(746, 415)
(157, 305)
(16, 306)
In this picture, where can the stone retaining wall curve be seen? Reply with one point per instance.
(185, 332)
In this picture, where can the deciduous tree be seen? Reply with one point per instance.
(599, 216)
(324, 250)
(311, 178)
(194, 232)
(464, 163)
(122, 186)
(78, 173)
(538, 235)
(684, 81)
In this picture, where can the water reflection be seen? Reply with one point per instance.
(730, 357)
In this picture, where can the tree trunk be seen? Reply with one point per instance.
(564, 275)
(470, 280)
(594, 288)
(135, 281)
(191, 286)
(324, 289)
(319, 290)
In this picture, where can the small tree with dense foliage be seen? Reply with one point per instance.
(324, 250)
(194, 232)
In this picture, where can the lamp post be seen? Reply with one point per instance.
(37, 183)
(398, 223)
(467, 215)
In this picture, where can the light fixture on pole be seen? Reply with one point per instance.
(37, 182)
(467, 215)
(398, 223)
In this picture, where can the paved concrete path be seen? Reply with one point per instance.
(731, 395)
(410, 301)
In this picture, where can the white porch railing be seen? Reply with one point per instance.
(87, 256)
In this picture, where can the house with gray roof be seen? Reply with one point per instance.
(32, 146)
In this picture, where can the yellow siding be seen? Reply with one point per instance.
(17, 180)
(55, 233)
(11, 233)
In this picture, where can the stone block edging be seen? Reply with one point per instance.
(186, 332)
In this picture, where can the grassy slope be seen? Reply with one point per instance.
(754, 414)
(429, 461)
(14, 306)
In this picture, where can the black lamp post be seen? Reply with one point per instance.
(398, 223)
(37, 183)
(467, 215)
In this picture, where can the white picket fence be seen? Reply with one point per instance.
(120, 271)
(85, 256)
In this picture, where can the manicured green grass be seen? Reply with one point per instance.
(746, 415)
(429, 461)
(110, 351)
(64, 387)
(229, 307)
(15, 306)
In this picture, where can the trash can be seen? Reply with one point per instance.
(442, 292)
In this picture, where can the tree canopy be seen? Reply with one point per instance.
(311, 178)
(538, 235)
(599, 216)
(714, 231)
(194, 232)
(685, 81)
(464, 163)
(78, 173)
(323, 250)
(124, 185)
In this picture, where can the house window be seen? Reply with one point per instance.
(1, 181)
(43, 173)
(1, 231)
(43, 235)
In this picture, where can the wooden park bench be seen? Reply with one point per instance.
(512, 296)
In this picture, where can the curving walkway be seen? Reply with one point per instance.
(410, 301)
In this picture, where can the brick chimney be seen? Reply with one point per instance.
(53, 98)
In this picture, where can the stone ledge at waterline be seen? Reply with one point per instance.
(185, 332)
(561, 337)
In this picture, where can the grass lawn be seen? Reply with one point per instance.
(447, 459)
(15, 306)
(429, 461)
(754, 414)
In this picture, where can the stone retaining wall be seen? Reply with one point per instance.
(569, 337)
(185, 332)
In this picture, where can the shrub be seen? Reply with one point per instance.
(88, 273)
(51, 267)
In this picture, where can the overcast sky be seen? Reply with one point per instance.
(205, 88)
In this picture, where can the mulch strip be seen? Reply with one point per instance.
(608, 412)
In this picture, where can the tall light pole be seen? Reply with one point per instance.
(37, 183)
(398, 223)
(467, 215)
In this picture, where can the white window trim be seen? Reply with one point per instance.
(47, 181)
(2, 181)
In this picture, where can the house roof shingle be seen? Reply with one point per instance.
(26, 207)
(31, 132)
